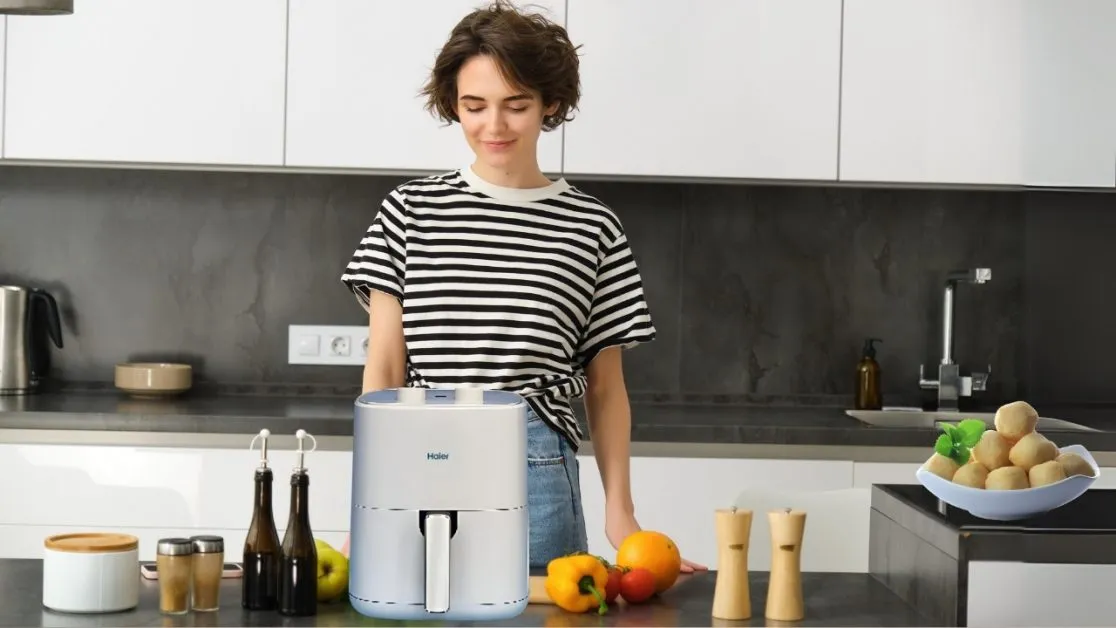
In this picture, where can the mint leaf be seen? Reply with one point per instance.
(961, 454)
(944, 446)
(952, 431)
(970, 431)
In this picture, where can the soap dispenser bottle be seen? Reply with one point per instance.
(298, 567)
(868, 395)
(260, 583)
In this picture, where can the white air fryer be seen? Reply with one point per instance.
(439, 525)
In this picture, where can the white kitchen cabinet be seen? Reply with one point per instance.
(157, 491)
(729, 89)
(173, 81)
(154, 492)
(355, 71)
(678, 496)
(1012, 92)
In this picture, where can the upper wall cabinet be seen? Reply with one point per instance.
(728, 89)
(1013, 92)
(172, 81)
(355, 71)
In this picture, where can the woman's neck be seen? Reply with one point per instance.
(523, 178)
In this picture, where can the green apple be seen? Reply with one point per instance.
(322, 545)
(333, 573)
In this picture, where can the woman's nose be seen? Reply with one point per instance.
(497, 121)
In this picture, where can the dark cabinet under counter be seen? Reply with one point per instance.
(959, 570)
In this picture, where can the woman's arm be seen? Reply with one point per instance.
(386, 364)
(610, 429)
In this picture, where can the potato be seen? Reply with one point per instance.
(992, 450)
(1006, 479)
(1045, 473)
(973, 475)
(1015, 420)
(941, 466)
(1032, 449)
(1074, 464)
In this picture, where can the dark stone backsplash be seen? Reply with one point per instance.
(765, 291)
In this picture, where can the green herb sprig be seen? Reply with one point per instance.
(957, 441)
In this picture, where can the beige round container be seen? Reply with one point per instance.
(154, 379)
(91, 572)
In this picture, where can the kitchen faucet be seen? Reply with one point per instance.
(950, 384)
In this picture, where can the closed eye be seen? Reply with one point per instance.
(480, 109)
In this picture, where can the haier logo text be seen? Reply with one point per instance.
(437, 455)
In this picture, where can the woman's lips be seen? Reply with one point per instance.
(498, 146)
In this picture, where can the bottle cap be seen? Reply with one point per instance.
(301, 435)
(175, 547)
(263, 436)
(207, 544)
(870, 347)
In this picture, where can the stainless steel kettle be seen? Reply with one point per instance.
(24, 328)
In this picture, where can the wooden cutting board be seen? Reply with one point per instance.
(536, 593)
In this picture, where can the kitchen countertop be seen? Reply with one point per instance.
(1080, 532)
(662, 425)
(831, 600)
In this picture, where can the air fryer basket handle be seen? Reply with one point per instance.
(437, 530)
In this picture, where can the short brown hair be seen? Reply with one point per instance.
(532, 52)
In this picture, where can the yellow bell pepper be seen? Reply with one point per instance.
(577, 582)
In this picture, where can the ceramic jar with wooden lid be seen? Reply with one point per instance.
(91, 572)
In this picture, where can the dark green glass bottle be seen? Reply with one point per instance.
(298, 565)
(260, 583)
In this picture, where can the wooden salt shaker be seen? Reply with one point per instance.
(731, 595)
(784, 591)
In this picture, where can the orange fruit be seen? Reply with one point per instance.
(655, 552)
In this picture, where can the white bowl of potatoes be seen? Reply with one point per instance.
(1008, 472)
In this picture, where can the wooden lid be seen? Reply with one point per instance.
(91, 542)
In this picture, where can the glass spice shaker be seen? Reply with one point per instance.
(208, 563)
(174, 562)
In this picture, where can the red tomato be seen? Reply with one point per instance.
(612, 589)
(637, 585)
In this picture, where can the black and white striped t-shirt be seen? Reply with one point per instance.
(503, 288)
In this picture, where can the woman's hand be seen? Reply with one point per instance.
(620, 523)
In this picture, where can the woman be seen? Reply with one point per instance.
(496, 277)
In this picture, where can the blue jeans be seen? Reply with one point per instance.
(553, 494)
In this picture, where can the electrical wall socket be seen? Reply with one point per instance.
(327, 344)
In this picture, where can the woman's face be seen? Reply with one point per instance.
(502, 124)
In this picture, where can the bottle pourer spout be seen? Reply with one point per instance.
(302, 435)
(263, 436)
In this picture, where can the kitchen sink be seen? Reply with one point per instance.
(914, 417)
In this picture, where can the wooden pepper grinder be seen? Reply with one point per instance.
(784, 591)
(732, 598)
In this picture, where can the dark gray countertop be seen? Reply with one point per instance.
(831, 600)
(1080, 532)
(654, 421)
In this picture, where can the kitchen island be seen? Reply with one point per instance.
(1053, 569)
(831, 600)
